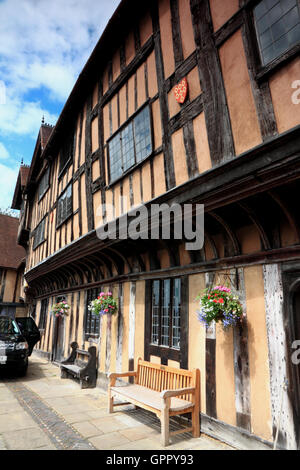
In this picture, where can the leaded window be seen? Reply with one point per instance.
(44, 183)
(65, 205)
(166, 310)
(92, 321)
(43, 314)
(278, 27)
(39, 234)
(67, 151)
(131, 145)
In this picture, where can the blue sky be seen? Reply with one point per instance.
(43, 48)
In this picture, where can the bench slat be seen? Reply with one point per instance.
(150, 397)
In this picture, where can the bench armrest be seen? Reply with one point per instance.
(174, 393)
(113, 376)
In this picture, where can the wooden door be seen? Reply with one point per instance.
(58, 339)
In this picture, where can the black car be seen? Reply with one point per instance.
(30, 331)
(16, 342)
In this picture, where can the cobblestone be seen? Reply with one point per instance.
(61, 434)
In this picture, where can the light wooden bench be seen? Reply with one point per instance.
(164, 390)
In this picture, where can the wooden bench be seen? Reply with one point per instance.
(164, 390)
(83, 369)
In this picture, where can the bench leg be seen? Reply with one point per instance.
(63, 374)
(110, 402)
(165, 433)
(196, 423)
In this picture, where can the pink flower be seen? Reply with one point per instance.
(102, 294)
(106, 310)
(109, 293)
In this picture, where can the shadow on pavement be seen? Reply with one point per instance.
(34, 372)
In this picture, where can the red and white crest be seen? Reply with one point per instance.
(181, 90)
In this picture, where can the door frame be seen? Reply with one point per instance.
(58, 329)
(291, 285)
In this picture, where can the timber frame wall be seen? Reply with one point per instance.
(234, 146)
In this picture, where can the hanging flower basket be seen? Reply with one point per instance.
(105, 304)
(61, 309)
(219, 305)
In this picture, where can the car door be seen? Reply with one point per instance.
(30, 331)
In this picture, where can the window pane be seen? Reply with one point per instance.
(155, 312)
(69, 208)
(127, 147)
(92, 323)
(165, 314)
(277, 24)
(115, 158)
(176, 313)
(142, 134)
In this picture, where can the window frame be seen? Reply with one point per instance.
(68, 147)
(263, 71)
(47, 186)
(91, 294)
(179, 354)
(60, 222)
(43, 314)
(36, 231)
(126, 124)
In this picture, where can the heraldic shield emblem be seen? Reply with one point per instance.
(181, 91)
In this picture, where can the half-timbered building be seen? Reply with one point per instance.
(232, 143)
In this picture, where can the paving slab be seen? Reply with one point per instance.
(44, 412)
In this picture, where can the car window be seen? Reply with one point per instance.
(8, 326)
(27, 324)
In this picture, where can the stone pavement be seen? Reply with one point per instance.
(43, 412)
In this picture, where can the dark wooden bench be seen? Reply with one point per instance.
(82, 365)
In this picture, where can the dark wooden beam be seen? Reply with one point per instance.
(163, 99)
(215, 104)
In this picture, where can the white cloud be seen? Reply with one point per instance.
(44, 44)
(4, 154)
(23, 118)
(8, 178)
(40, 37)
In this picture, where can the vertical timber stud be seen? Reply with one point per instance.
(184, 323)
(120, 330)
(88, 165)
(215, 104)
(108, 344)
(210, 351)
(276, 321)
(101, 146)
(131, 338)
(241, 364)
(188, 130)
(79, 179)
(148, 315)
(176, 34)
(163, 99)
(261, 91)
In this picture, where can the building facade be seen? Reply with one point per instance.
(12, 265)
(186, 102)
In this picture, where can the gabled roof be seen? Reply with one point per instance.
(26, 172)
(11, 254)
(20, 185)
(45, 133)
